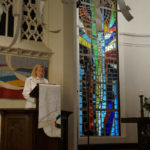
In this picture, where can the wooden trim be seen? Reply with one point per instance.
(135, 119)
(107, 146)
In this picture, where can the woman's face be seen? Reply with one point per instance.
(40, 72)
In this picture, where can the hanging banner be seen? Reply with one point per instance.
(13, 72)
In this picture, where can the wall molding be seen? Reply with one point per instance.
(134, 39)
(134, 44)
(134, 34)
(107, 146)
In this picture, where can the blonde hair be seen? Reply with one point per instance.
(33, 74)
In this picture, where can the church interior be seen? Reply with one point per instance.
(95, 54)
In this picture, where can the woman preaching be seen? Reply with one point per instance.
(37, 76)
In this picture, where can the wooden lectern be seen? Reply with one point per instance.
(51, 143)
(20, 129)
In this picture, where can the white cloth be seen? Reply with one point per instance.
(49, 109)
(30, 84)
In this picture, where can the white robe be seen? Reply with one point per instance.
(30, 84)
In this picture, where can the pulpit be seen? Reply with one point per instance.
(20, 130)
(43, 139)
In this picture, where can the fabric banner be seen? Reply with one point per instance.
(13, 72)
(50, 109)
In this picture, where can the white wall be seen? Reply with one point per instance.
(140, 24)
(68, 72)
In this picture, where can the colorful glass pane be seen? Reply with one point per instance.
(99, 76)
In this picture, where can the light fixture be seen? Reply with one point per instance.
(125, 10)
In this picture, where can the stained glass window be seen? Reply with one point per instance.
(99, 76)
